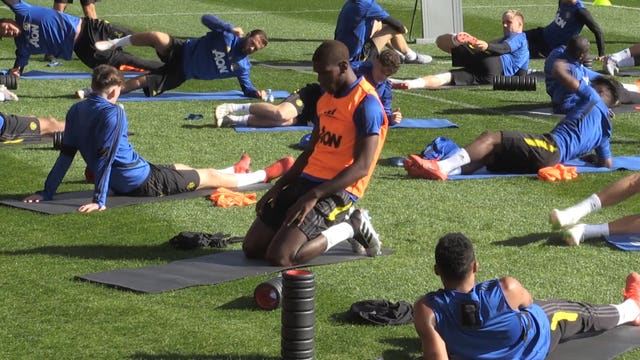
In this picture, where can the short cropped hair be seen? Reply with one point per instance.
(514, 13)
(105, 76)
(390, 59)
(260, 34)
(611, 87)
(578, 46)
(454, 256)
(331, 52)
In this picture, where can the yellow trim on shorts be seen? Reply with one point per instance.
(560, 316)
(337, 211)
(540, 144)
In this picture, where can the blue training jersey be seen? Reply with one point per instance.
(355, 23)
(218, 55)
(44, 31)
(383, 88)
(98, 130)
(585, 128)
(501, 332)
(562, 99)
(564, 26)
(518, 58)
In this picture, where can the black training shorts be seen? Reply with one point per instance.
(525, 153)
(19, 127)
(169, 76)
(305, 100)
(82, 2)
(327, 212)
(477, 67)
(166, 180)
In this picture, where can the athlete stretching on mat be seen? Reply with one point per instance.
(480, 61)
(222, 53)
(585, 128)
(300, 107)
(570, 18)
(40, 30)
(575, 53)
(97, 128)
(307, 211)
(568, 219)
(499, 319)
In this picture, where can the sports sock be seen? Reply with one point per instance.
(121, 42)
(597, 230)
(457, 160)
(243, 108)
(583, 208)
(337, 234)
(411, 55)
(416, 83)
(620, 55)
(627, 62)
(228, 170)
(251, 178)
(627, 310)
(239, 119)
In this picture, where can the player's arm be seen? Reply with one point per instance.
(57, 173)
(244, 79)
(106, 140)
(603, 154)
(424, 320)
(585, 16)
(10, 3)
(561, 73)
(216, 24)
(517, 296)
(395, 24)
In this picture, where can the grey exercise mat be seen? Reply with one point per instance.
(607, 345)
(205, 270)
(70, 202)
(547, 111)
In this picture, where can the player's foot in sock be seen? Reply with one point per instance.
(242, 166)
(574, 235)
(83, 93)
(221, 111)
(420, 59)
(278, 168)
(560, 219)
(8, 95)
(610, 66)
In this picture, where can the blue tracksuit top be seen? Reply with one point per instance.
(502, 333)
(98, 130)
(44, 30)
(217, 55)
(564, 26)
(518, 58)
(355, 23)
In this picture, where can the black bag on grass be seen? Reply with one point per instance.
(187, 240)
(381, 312)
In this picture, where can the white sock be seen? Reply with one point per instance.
(337, 234)
(239, 119)
(411, 55)
(620, 55)
(228, 170)
(596, 230)
(2, 97)
(121, 42)
(631, 87)
(628, 311)
(584, 207)
(243, 108)
(627, 62)
(251, 178)
(456, 161)
(416, 83)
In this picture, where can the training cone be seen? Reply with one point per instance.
(601, 3)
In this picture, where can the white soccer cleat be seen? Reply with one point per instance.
(221, 112)
(574, 235)
(420, 59)
(83, 93)
(105, 45)
(365, 234)
(610, 66)
(560, 219)
(8, 95)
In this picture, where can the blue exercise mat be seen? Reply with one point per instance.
(627, 242)
(50, 75)
(176, 95)
(404, 124)
(619, 163)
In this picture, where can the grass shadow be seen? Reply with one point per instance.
(551, 238)
(409, 348)
(241, 303)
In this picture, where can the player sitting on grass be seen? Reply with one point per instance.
(300, 107)
(585, 128)
(480, 61)
(97, 128)
(499, 319)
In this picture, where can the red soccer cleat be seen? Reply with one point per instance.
(632, 291)
(465, 38)
(278, 168)
(425, 169)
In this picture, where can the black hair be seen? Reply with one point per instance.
(261, 34)
(578, 47)
(609, 84)
(454, 256)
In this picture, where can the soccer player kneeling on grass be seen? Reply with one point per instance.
(97, 128)
(310, 209)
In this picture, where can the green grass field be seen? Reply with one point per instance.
(45, 314)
